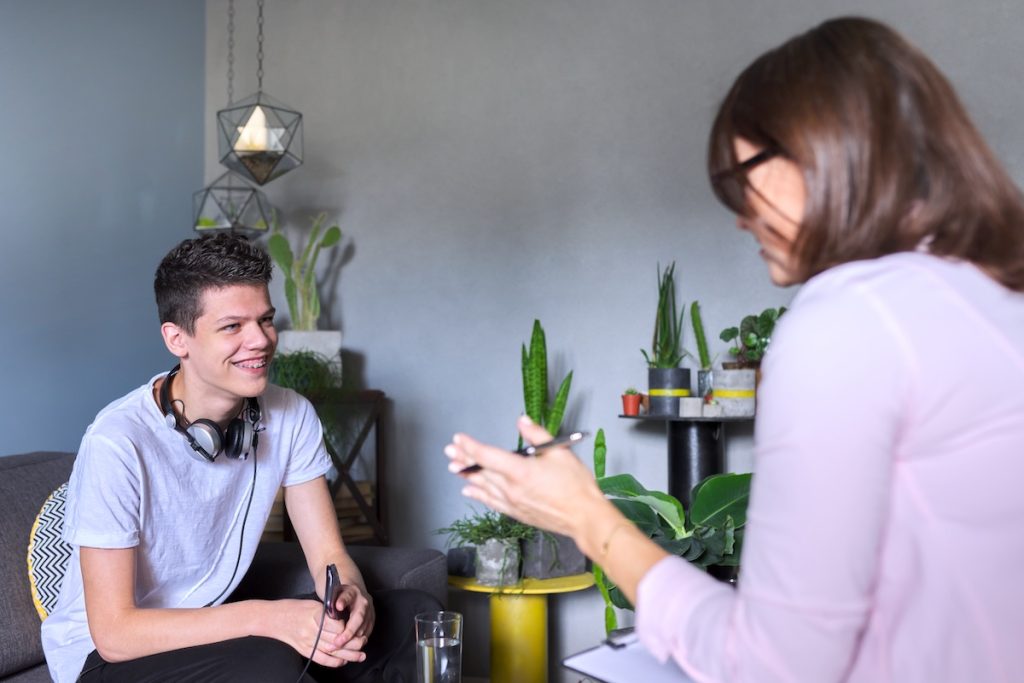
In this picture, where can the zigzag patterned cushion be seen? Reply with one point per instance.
(48, 553)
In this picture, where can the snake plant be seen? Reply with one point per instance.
(535, 385)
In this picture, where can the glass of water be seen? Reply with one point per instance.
(439, 647)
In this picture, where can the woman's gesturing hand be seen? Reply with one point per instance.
(552, 490)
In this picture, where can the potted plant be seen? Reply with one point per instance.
(535, 385)
(495, 539)
(631, 402)
(735, 386)
(300, 287)
(750, 340)
(704, 373)
(546, 555)
(667, 382)
(709, 535)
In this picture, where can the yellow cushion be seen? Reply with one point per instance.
(48, 553)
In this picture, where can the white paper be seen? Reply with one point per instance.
(627, 664)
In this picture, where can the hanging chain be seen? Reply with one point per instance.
(259, 52)
(231, 51)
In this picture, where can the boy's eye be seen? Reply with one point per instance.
(230, 328)
(268, 322)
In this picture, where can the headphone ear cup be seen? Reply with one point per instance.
(206, 439)
(238, 439)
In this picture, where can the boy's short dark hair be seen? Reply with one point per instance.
(201, 263)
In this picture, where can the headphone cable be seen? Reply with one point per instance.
(241, 535)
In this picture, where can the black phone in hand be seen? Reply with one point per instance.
(331, 591)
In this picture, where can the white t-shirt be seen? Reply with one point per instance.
(135, 484)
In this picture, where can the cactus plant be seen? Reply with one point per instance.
(300, 273)
(698, 334)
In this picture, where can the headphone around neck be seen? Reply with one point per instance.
(205, 436)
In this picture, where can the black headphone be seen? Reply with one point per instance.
(206, 437)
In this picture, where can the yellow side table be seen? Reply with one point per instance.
(519, 624)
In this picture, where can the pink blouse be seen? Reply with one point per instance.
(885, 537)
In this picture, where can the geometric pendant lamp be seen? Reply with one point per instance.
(259, 138)
(230, 203)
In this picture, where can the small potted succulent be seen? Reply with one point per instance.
(631, 402)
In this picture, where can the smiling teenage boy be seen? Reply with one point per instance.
(169, 495)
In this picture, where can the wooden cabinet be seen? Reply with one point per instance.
(354, 434)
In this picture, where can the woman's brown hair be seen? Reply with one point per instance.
(890, 159)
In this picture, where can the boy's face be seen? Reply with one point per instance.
(228, 356)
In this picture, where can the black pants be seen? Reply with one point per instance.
(390, 655)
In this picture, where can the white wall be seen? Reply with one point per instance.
(492, 162)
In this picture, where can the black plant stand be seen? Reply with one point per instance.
(696, 449)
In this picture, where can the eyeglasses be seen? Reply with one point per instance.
(730, 185)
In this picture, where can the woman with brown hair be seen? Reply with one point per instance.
(886, 509)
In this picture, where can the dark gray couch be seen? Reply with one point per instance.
(279, 569)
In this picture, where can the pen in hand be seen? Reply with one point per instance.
(527, 451)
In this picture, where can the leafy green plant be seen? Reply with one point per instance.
(666, 345)
(751, 338)
(300, 286)
(479, 527)
(535, 385)
(307, 372)
(631, 391)
(711, 534)
(698, 333)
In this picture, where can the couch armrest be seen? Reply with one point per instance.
(279, 571)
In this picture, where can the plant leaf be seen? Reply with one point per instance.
(554, 418)
(331, 237)
(719, 498)
(668, 507)
(281, 252)
(600, 454)
(640, 514)
(291, 296)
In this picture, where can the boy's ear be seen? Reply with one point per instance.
(175, 339)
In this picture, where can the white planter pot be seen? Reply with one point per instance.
(326, 343)
(734, 391)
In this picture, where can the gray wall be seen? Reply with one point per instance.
(101, 132)
(492, 162)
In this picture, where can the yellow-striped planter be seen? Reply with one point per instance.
(734, 390)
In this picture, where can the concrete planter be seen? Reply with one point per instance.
(462, 561)
(548, 556)
(734, 391)
(497, 563)
(665, 386)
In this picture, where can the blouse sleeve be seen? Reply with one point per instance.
(829, 416)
